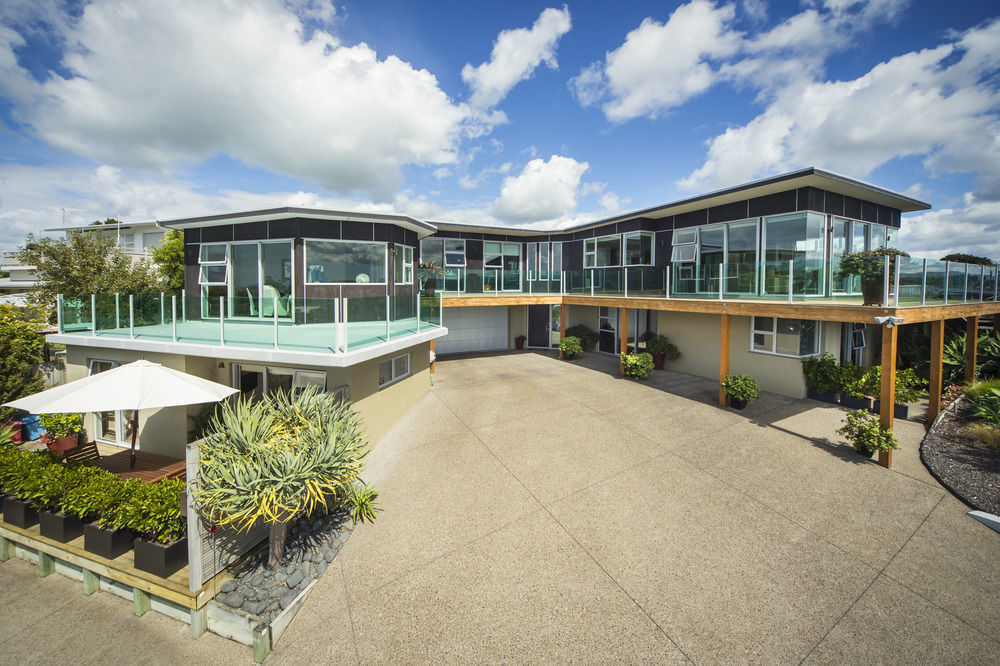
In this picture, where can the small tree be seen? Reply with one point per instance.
(86, 262)
(169, 258)
(969, 259)
(279, 459)
(22, 351)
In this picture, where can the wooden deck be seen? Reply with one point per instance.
(149, 467)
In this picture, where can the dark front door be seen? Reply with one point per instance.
(538, 325)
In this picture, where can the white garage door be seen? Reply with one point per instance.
(473, 329)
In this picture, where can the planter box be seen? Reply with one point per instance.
(160, 559)
(106, 543)
(736, 403)
(898, 411)
(59, 526)
(658, 361)
(813, 394)
(851, 402)
(18, 513)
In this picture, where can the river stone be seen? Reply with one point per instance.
(294, 579)
(287, 598)
(228, 586)
(281, 576)
(257, 579)
(320, 568)
(254, 607)
(328, 554)
(231, 599)
(246, 591)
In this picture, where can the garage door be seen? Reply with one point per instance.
(473, 329)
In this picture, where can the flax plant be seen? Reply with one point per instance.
(278, 459)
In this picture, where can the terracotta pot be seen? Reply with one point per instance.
(63, 444)
(659, 360)
(519, 343)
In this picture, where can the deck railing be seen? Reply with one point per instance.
(300, 324)
(905, 282)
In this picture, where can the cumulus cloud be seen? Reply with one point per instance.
(937, 103)
(151, 85)
(972, 228)
(516, 55)
(660, 65)
(544, 190)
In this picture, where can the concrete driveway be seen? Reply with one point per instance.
(539, 510)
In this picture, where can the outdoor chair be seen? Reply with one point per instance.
(82, 452)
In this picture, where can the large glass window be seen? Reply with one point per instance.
(741, 257)
(711, 250)
(639, 248)
(432, 252)
(798, 237)
(359, 262)
(838, 248)
(589, 252)
(784, 337)
(685, 246)
(454, 252)
(403, 267)
(609, 251)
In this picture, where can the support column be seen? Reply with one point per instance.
(562, 325)
(6, 549)
(199, 621)
(888, 395)
(141, 602)
(432, 351)
(623, 342)
(971, 341)
(723, 357)
(91, 582)
(937, 360)
(46, 564)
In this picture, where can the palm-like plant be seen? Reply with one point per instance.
(277, 460)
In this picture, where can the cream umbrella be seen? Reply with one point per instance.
(135, 386)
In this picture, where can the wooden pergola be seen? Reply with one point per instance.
(894, 317)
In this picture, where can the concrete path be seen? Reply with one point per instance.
(539, 510)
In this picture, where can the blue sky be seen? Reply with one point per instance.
(505, 114)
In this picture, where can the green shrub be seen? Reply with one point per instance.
(869, 265)
(864, 431)
(741, 387)
(45, 486)
(361, 503)
(588, 338)
(94, 493)
(639, 366)
(570, 346)
(987, 434)
(153, 511)
(987, 357)
(118, 510)
(20, 471)
(58, 426)
(823, 373)
(909, 387)
(984, 402)
(660, 344)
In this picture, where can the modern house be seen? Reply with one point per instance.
(20, 279)
(135, 239)
(742, 280)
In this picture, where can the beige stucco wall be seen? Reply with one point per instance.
(697, 337)
(164, 431)
(517, 323)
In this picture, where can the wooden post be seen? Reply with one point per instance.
(937, 360)
(199, 621)
(141, 602)
(6, 549)
(562, 325)
(623, 343)
(432, 351)
(91, 582)
(723, 357)
(888, 395)
(971, 340)
(46, 564)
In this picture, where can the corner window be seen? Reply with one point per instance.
(784, 337)
(213, 268)
(359, 262)
(589, 252)
(639, 248)
(393, 370)
(685, 246)
(403, 268)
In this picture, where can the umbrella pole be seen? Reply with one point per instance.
(135, 433)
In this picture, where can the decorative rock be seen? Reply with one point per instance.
(287, 598)
(257, 579)
(290, 568)
(293, 580)
(228, 586)
(262, 595)
(254, 607)
(232, 599)
(281, 576)
(321, 567)
(246, 591)
(328, 554)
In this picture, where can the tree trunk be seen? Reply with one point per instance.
(276, 544)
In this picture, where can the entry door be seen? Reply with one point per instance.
(538, 326)
(608, 331)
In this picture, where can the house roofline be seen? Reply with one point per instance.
(288, 212)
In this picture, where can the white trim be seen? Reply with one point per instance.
(412, 250)
(774, 337)
(305, 259)
(393, 377)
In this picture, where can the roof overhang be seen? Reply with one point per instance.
(421, 228)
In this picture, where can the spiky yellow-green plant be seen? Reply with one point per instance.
(278, 459)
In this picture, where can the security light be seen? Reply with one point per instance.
(889, 321)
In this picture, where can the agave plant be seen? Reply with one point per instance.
(276, 460)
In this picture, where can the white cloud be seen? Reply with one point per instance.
(660, 65)
(973, 228)
(936, 103)
(544, 190)
(516, 54)
(154, 84)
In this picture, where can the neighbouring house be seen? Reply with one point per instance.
(20, 279)
(742, 280)
(136, 239)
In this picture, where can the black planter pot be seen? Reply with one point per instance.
(18, 513)
(851, 402)
(106, 543)
(59, 526)
(898, 411)
(813, 394)
(160, 559)
(736, 403)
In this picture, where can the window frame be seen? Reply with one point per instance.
(590, 253)
(691, 245)
(652, 247)
(213, 263)
(385, 259)
(773, 333)
(393, 377)
(406, 266)
(446, 251)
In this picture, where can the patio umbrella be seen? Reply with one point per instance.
(135, 386)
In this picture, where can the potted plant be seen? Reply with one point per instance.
(519, 341)
(870, 267)
(662, 350)
(823, 377)
(153, 513)
(741, 390)
(16, 475)
(588, 338)
(62, 431)
(570, 346)
(866, 434)
(51, 487)
(909, 388)
(638, 366)
(848, 375)
(106, 496)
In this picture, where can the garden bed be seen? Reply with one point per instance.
(967, 467)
